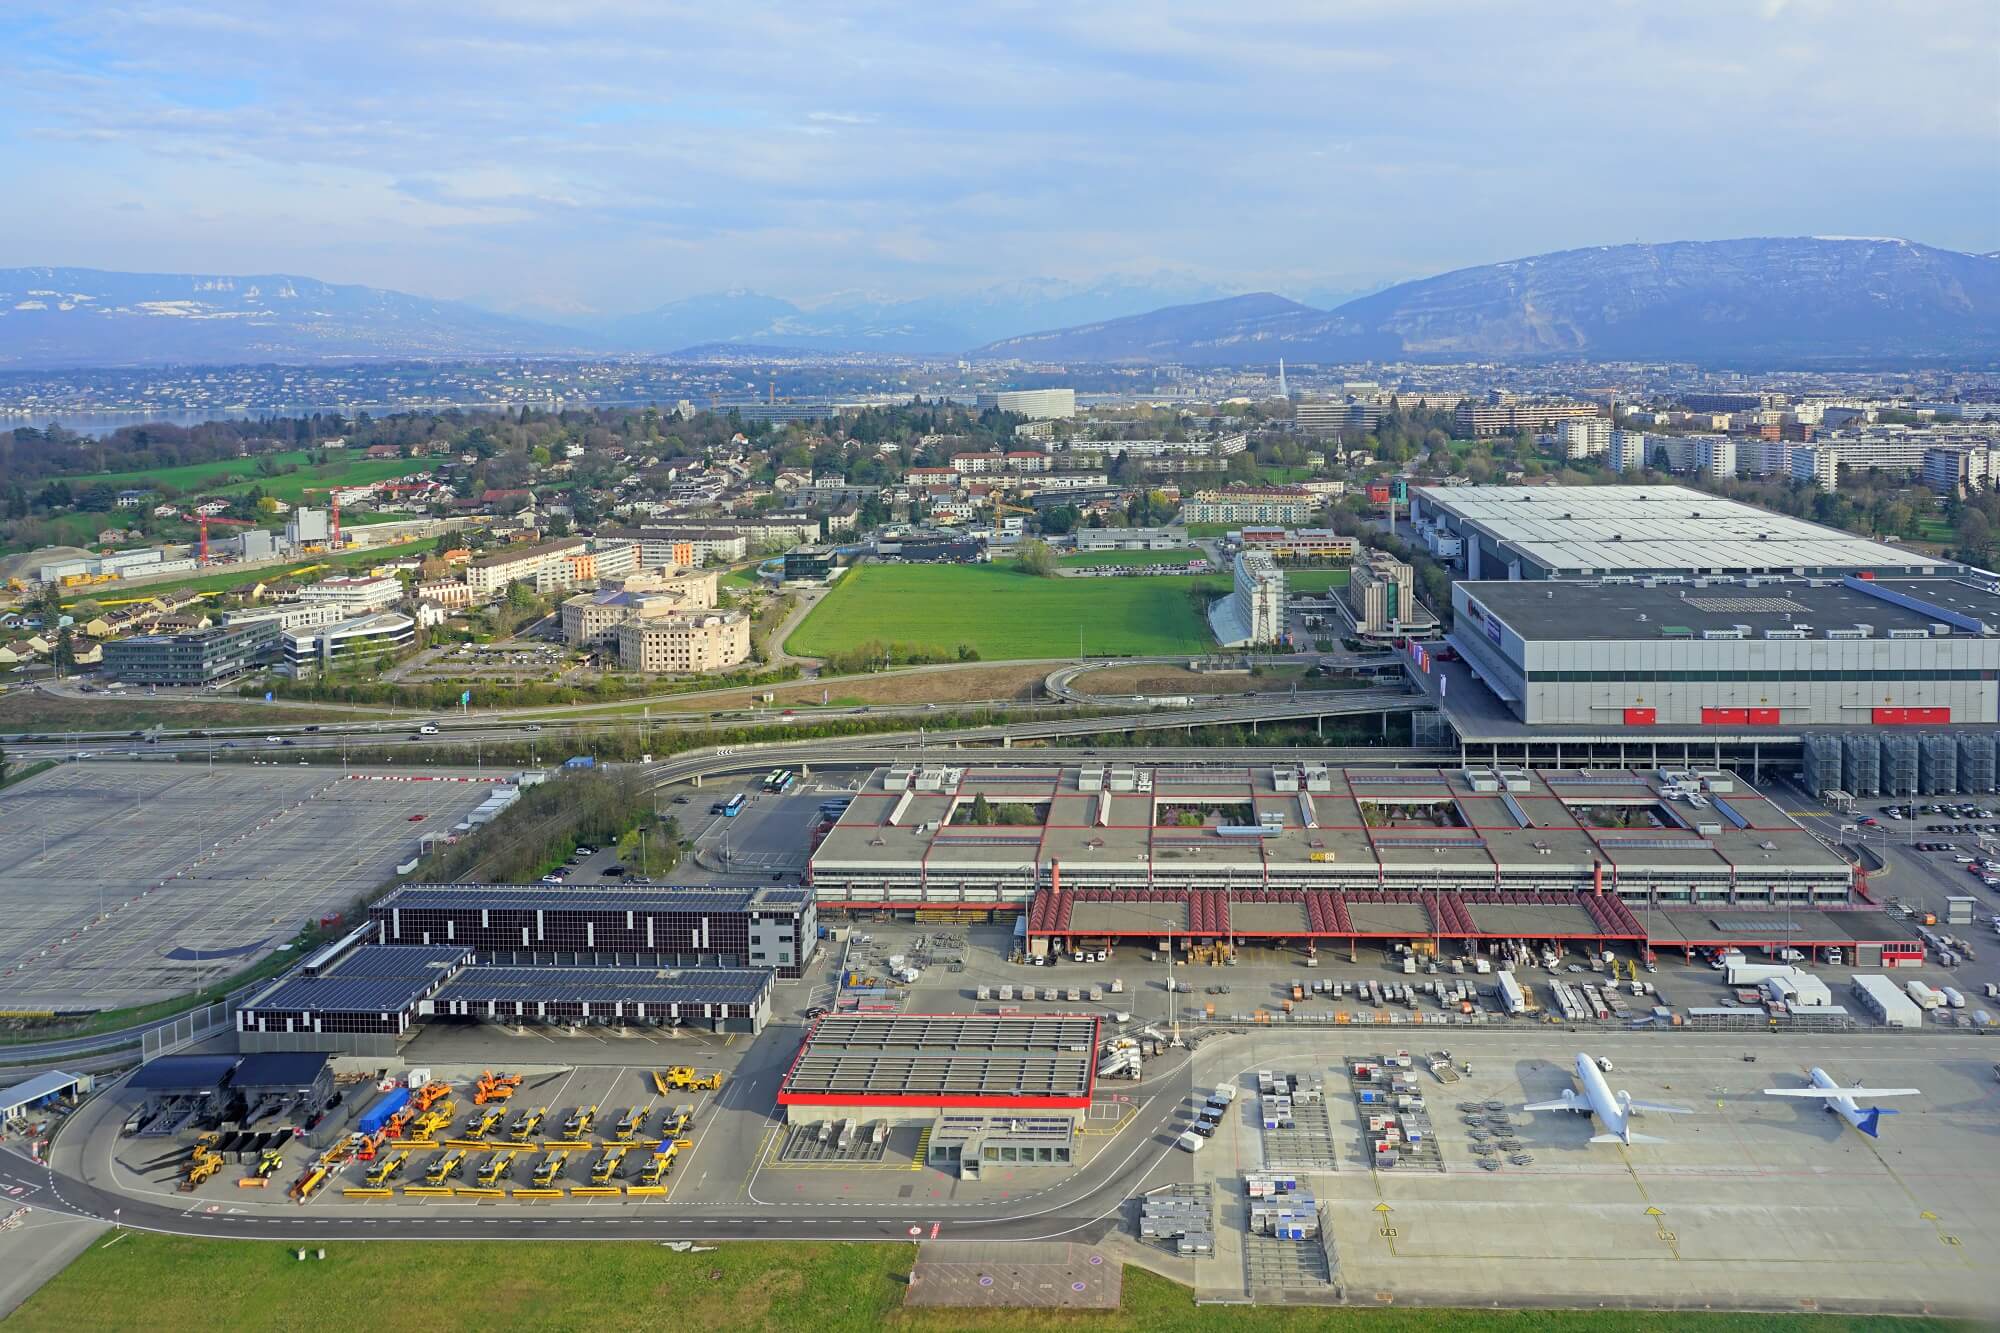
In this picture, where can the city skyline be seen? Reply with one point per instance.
(617, 156)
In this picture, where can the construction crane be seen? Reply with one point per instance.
(493, 1087)
(388, 1168)
(549, 1168)
(606, 1167)
(484, 1123)
(425, 1097)
(202, 521)
(445, 1167)
(526, 1123)
(683, 1078)
(496, 1169)
(579, 1122)
(630, 1124)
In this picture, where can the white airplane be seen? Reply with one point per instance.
(1842, 1100)
(1615, 1109)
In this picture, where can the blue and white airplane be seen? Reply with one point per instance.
(1615, 1109)
(1842, 1100)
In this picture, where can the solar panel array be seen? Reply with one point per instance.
(591, 898)
(608, 986)
(374, 979)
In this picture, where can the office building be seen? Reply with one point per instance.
(310, 651)
(1540, 532)
(1035, 404)
(594, 618)
(1382, 598)
(289, 615)
(1254, 611)
(194, 657)
(684, 644)
(1299, 543)
(354, 595)
(1769, 653)
(1131, 539)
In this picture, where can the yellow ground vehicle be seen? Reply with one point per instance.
(445, 1167)
(684, 1078)
(431, 1122)
(484, 1123)
(202, 1163)
(659, 1165)
(526, 1123)
(677, 1122)
(388, 1168)
(579, 1122)
(630, 1123)
(549, 1168)
(496, 1169)
(606, 1167)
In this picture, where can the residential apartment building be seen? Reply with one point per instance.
(1584, 437)
(1819, 466)
(1283, 505)
(1957, 472)
(691, 644)
(310, 651)
(1299, 543)
(1627, 452)
(547, 566)
(1504, 418)
(1035, 404)
(456, 593)
(289, 615)
(354, 596)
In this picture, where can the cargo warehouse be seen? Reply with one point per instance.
(916, 1068)
(641, 925)
(1665, 837)
(1771, 652)
(1568, 532)
(360, 998)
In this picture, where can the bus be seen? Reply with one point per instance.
(780, 781)
(734, 806)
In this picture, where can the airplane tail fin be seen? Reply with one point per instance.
(1873, 1118)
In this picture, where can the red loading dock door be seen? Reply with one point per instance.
(1908, 717)
(1639, 717)
(1755, 717)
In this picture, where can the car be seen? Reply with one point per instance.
(288, 741)
(271, 740)
(532, 726)
(1868, 821)
(137, 734)
(418, 819)
(428, 729)
(229, 745)
(582, 852)
(778, 878)
(551, 879)
(680, 800)
(789, 712)
(612, 872)
(314, 727)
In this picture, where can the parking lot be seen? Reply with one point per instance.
(128, 882)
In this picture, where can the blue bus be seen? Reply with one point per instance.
(734, 806)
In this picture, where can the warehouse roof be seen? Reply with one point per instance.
(608, 985)
(280, 1069)
(1609, 529)
(1690, 608)
(954, 1059)
(375, 978)
(595, 898)
(182, 1073)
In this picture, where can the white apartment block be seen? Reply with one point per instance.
(1956, 472)
(1628, 451)
(355, 596)
(290, 615)
(1584, 437)
(1821, 467)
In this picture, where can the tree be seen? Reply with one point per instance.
(1036, 558)
(1059, 519)
(556, 526)
(982, 809)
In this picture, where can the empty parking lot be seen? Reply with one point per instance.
(126, 882)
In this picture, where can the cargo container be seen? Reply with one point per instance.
(386, 1105)
(1922, 996)
(1880, 997)
(1512, 998)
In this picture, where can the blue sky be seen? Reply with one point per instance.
(609, 155)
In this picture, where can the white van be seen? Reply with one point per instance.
(428, 729)
(1190, 1142)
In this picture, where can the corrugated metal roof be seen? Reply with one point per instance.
(36, 1088)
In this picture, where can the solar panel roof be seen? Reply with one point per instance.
(594, 898)
(608, 985)
(182, 1073)
(946, 1056)
(374, 979)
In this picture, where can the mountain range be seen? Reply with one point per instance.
(1794, 300)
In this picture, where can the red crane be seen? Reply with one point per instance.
(203, 520)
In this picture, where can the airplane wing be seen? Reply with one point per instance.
(1659, 1108)
(1843, 1092)
(1569, 1101)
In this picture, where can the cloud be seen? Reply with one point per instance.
(625, 153)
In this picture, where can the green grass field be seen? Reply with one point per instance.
(1087, 559)
(1007, 614)
(187, 477)
(160, 1284)
(291, 486)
